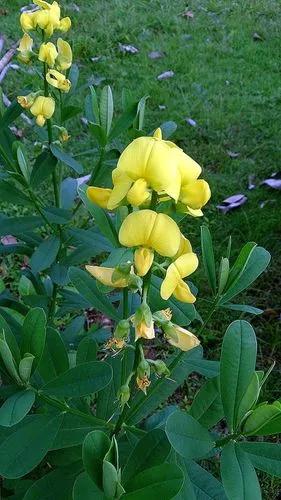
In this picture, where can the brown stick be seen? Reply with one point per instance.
(6, 58)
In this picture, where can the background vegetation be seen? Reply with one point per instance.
(227, 81)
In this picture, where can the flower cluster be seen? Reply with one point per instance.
(56, 58)
(151, 175)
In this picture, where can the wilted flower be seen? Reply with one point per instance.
(143, 374)
(26, 101)
(58, 80)
(179, 337)
(25, 49)
(64, 58)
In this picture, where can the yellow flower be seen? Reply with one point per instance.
(149, 229)
(58, 80)
(28, 21)
(181, 338)
(25, 49)
(43, 108)
(143, 259)
(143, 323)
(99, 196)
(105, 276)
(26, 101)
(64, 59)
(138, 193)
(48, 54)
(173, 283)
(48, 19)
(151, 160)
(194, 196)
(65, 24)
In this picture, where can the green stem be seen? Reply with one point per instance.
(125, 303)
(154, 199)
(221, 442)
(73, 411)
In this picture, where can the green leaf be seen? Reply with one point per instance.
(92, 106)
(189, 438)
(238, 475)
(10, 194)
(98, 132)
(263, 421)
(264, 456)
(243, 308)
(23, 162)
(25, 367)
(19, 225)
(180, 365)
(123, 122)
(43, 167)
(204, 485)
(86, 286)
(183, 314)
(256, 264)
(11, 114)
(151, 450)
(106, 109)
(67, 159)
(45, 254)
(85, 489)
(27, 446)
(34, 334)
(208, 257)
(81, 380)
(101, 218)
(54, 360)
(241, 262)
(10, 338)
(8, 360)
(223, 274)
(56, 485)
(16, 407)
(250, 397)
(207, 406)
(87, 351)
(69, 112)
(95, 447)
(58, 215)
(164, 480)
(237, 365)
(73, 432)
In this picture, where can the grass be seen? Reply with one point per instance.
(225, 79)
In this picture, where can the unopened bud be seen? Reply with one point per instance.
(124, 394)
(143, 369)
(122, 329)
(161, 368)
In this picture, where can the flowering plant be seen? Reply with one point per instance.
(85, 412)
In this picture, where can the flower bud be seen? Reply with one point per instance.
(124, 394)
(143, 369)
(179, 337)
(162, 317)
(143, 323)
(122, 329)
(143, 259)
(161, 368)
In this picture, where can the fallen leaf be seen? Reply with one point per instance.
(233, 154)
(191, 122)
(8, 240)
(188, 14)
(257, 37)
(156, 54)
(165, 75)
(274, 181)
(127, 49)
(234, 201)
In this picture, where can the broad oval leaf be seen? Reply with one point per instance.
(81, 380)
(67, 159)
(87, 351)
(264, 420)
(16, 407)
(189, 438)
(238, 474)
(264, 456)
(84, 488)
(95, 447)
(45, 254)
(34, 334)
(207, 407)
(237, 365)
(164, 480)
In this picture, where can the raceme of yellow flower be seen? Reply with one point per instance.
(181, 338)
(64, 59)
(149, 229)
(25, 49)
(173, 282)
(43, 108)
(47, 18)
(58, 80)
(105, 276)
(48, 54)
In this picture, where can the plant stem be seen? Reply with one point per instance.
(73, 411)
(226, 439)
(154, 199)
(125, 303)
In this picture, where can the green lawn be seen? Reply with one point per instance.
(227, 79)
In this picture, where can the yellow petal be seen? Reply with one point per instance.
(26, 43)
(104, 275)
(147, 228)
(143, 259)
(144, 331)
(64, 59)
(58, 80)
(28, 20)
(43, 107)
(185, 339)
(158, 133)
(98, 195)
(65, 24)
(48, 54)
(189, 169)
(185, 247)
(121, 186)
(196, 194)
(138, 193)
(183, 294)
(170, 282)
(186, 264)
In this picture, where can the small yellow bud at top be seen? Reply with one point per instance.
(158, 133)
